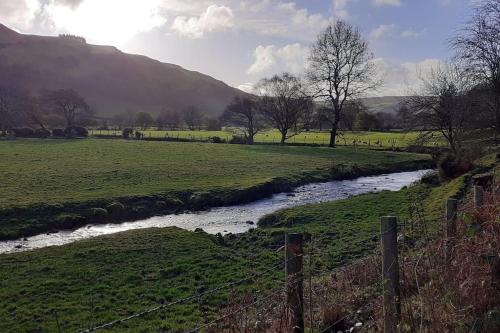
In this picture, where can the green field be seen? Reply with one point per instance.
(110, 277)
(361, 139)
(56, 184)
(58, 171)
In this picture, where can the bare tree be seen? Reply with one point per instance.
(144, 120)
(12, 103)
(284, 103)
(244, 112)
(443, 105)
(340, 68)
(168, 119)
(192, 117)
(17, 107)
(65, 102)
(478, 47)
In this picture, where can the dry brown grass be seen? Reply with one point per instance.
(436, 296)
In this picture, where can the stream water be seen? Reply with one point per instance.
(229, 219)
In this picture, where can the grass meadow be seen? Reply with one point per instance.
(61, 171)
(99, 280)
(361, 138)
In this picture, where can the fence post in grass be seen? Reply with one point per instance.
(294, 280)
(451, 227)
(390, 273)
(478, 196)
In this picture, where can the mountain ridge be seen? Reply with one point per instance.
(112, 81)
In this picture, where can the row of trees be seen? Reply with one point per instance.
(340, 69)
(456, 99)
(190, 118)
(63, 107)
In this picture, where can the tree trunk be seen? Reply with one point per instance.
(250, 139)
(283, 138)
(497, 118)
(333, 133)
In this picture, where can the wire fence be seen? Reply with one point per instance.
(314, 138)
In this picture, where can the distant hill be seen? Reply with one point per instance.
(387, 104)
(112, 81)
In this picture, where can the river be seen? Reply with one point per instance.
(229, 219)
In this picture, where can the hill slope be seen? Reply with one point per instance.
(110, 80)
(386, 104)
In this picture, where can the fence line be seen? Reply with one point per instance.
(295, 280)
(186, 299)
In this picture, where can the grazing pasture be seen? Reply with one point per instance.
(110, 277)
(361, 138)
(61, 171)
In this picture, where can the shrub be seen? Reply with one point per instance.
(238, 140)
(127, 132)
(23, 132)
(216, 139)
(41, 133)
(451, 165)
(430, 178)
(76, 132)
(58, 133)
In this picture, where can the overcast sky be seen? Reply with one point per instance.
(240, 42)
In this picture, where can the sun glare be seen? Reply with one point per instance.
(108, 22)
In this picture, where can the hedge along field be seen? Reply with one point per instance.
(60, 171)
(362, 138)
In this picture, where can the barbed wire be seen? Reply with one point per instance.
(187, 299)
(235, 312)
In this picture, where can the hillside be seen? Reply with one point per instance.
(112, 81)
(386, 104)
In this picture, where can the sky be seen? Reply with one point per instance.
(241, 42)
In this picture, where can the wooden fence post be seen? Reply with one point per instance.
(390, 273)
(478, 196)
(451, 227)
(294, 280)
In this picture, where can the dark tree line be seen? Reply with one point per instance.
(63, 107)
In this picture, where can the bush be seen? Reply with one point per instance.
(58, 133)
(430, 178)
(76, 132)
(238, 140)
(451, 165)
(127, 132)
(216, 139)
(41, 133)
(23, 132)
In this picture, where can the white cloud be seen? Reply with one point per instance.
(340, 8)
(405, 78)
(382, 31)
(110, 21)
(271, 59)
(19, 14)
(247, 87)
(215, 18)
(387, 2)
(411, 33)
(390, 30)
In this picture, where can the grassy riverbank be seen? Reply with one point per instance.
(105, 278)
(56, 184)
